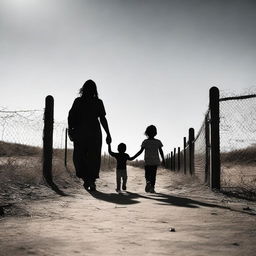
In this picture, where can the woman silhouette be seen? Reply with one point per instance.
(85, 132)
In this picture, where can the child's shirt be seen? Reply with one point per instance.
(121, 159)
(152, 151)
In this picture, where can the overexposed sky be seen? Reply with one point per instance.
(153, 60)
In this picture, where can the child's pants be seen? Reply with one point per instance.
(121, 173)
(150, 174)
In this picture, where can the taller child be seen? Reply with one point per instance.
(152, 149)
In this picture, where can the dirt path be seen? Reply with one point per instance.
(134, 223)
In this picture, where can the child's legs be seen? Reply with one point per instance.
(153, 176)
(150, 174)
(118, 179)
(124, 177)
(147, 173)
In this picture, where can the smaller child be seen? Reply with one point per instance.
(121, 169)
(152, 149)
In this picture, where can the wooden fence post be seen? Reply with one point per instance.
(66, 147)
(185, 155)
(191, 149)
(178, 167)
(215, 138)
(171, 160)
(174, 159)
(207, 149)
(48, 138)
(168, 161)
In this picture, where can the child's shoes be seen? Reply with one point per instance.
(152, 190)
(148, 186)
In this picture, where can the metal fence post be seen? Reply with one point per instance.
(215, 138)
(48, 138)
(191, 150)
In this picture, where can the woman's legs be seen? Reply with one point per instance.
(87, 157)
(78, 158)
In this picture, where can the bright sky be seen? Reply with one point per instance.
(153, 60)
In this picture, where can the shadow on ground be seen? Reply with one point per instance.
(122, 198)
(160, 198)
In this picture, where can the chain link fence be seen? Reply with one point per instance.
(21, 134)
(20, 146)
(21, 142)
(22, 127)
(238, 143)
(201, 154)
(223, 155)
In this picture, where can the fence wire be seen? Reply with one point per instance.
(238, 143)
(22, 127)
(26, 128)
(200, 155)
(21, 140)
(20, 145)
(21, 152)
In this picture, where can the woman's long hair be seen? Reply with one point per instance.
(89, 89)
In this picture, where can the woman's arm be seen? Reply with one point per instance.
(137, 154)
(110, 151)
(104, 124)
(72, 119)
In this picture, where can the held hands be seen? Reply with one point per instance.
(163, 163)
(108, 139)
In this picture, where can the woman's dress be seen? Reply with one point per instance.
(83, 121)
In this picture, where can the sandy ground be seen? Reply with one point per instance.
(131, 223)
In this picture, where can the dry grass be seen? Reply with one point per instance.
(14, 149)
(240, 156)
(137, 163)
(22, 164)
(238, 172)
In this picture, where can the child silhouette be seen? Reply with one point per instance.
(121, 169)
(152, 149)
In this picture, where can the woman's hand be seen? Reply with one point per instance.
(108, 139)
